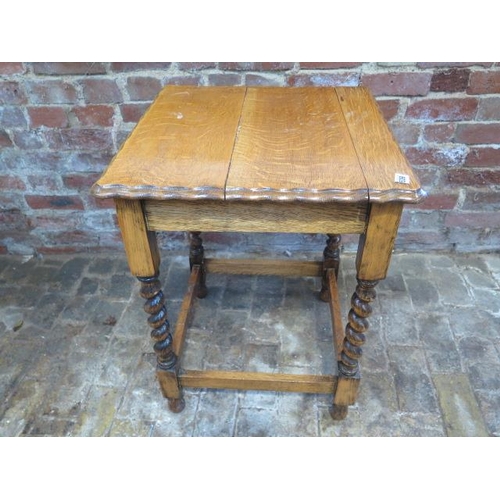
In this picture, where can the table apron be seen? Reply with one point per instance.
(253, 217)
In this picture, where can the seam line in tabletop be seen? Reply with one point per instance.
(235, 140)
(354, 146)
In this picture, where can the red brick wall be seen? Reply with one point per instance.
(60, 123)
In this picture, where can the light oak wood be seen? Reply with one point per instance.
(170, 388)
(336, 315)
(140, 243)
(298, 160)
(376, 244)
(181, 148)
(346, 391)
(270, 267)
(183, 317)
(282, 144)
(293, 144)
(346, 394)
(379, 154)
(169, 384)
(264, 217)
(315, 384)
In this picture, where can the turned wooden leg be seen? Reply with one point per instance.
(331, 260)
(356, 327)
(348, 366)
(196, 257)
(372, 262)
(166, 360)
(144, 261)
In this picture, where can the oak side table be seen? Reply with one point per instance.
(300, 160)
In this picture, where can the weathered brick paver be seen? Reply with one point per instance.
(76, 356)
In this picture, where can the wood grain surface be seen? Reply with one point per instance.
(335, 313)
(185, 311)
(181, 148)
(262, 143)
(248, 216)
(293, 144)
(315, 384)
(347, 390)
(263, 267)
(379, 155)
(376, 244)
(141, 247)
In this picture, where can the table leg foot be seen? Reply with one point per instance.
(324, 295)
(339, 412)
(176, 405)
(202, 291)
(196, 257)
(331, 260)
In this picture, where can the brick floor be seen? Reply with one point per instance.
(76, 358)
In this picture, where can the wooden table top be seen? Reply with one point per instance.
(262, 143)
